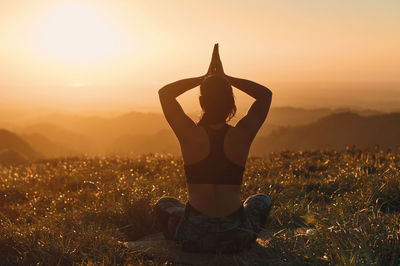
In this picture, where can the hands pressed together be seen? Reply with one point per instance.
(215, 67)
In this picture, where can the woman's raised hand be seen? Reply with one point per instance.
(215, 67)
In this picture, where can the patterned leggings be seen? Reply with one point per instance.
(196, 232)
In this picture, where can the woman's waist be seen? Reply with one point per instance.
(220, 174)
(197, 223)
(215, 205)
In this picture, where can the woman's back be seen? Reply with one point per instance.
(214, 190)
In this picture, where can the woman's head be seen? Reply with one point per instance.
(217, 100)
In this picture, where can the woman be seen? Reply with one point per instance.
(214, 155)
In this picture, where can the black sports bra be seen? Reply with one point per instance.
(216, 168)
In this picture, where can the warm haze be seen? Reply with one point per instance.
(76, 55)
(87, 156)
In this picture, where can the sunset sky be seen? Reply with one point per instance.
(72, 54)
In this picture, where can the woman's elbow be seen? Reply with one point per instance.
(162, 92)
(267, 96)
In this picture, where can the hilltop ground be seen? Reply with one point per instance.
(72, 211)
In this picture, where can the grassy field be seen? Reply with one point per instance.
(74, 211)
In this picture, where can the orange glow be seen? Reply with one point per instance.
(77, 32)
(121, 52)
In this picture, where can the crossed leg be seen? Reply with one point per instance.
(169, 212)
(257, 208)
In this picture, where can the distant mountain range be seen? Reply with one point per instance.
(334, 131)
(13, 149)
(56, 139)
(163, 141)
(292, 116)
(136, 133)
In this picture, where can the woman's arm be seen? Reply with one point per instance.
(173, 112)
(251, 123)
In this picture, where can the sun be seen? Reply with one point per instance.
(78, 32)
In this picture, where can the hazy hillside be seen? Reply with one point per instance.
(291, 116)
(59, 136)
(95, 134)
(284, 116)
(106, 129)
(295, 116)
(135, 133)
(164, 141)
(47, 147)
(129, 123)
(14, 149)
(10, 157)
(334, 132)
